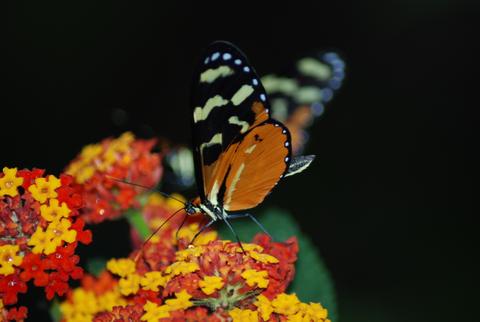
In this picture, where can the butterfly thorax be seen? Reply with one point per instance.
(205, 207)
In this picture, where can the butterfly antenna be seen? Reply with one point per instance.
(137, 257)
(146, 188)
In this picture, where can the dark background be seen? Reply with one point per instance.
(389, 201)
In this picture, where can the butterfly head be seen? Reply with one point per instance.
(191, 209)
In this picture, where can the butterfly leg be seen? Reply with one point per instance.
(181, 225)
(234, 233)
(255, 220)
(201, 230)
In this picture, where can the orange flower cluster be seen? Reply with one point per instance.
(39, 233)
(212, 280)
(100, 168)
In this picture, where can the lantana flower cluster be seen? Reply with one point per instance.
(212, 280)
(39, 233)
(104, 171)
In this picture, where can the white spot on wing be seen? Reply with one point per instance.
(238, 62)
(250, 149)
(216, 139)
(244, 92)
(263, 97)
(237, 121)
(201, 113)
(210, 75)
(255, 82)
(246, 69)
(215, 56)
(226, 56)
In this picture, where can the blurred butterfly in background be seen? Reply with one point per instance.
(296, 99)
(240, 153)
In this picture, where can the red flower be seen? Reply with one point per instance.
(34, 268)
(29, 176)
(10, 286)
(83, 236)
(121, 314)
(57, 284)
(19, 314)
(70, 193)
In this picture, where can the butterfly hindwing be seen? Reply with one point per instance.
(261, 159)
(228, 99)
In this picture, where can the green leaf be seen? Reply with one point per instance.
(55, 310)
(96, 265)
(312, 282)
(135, 218)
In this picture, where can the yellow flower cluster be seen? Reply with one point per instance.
(154, 312)
(288, 306)
(101, 157)
(85, 304)
(10, 182)
(56, 214)
(130, 282)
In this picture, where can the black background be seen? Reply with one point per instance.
(389, 200)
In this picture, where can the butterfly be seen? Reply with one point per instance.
(299, 96)
(240, 152)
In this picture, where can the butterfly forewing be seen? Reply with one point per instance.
(227, 101)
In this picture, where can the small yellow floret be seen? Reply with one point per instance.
(179, 268)
(54, 212)
(182, 301)
(43, 189)
(154, 312)
(286, 304)
(42, 242)
(121, 267)
(129, 284)
(263, 258)
(210, 284)
(61, 232)
(239, 315)
(191, 230)
(264, 307)
(9, 258)
(185, 254)
(10, 182)
(254, 277)
(152, 281)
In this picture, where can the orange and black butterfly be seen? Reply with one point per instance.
(240, 152)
